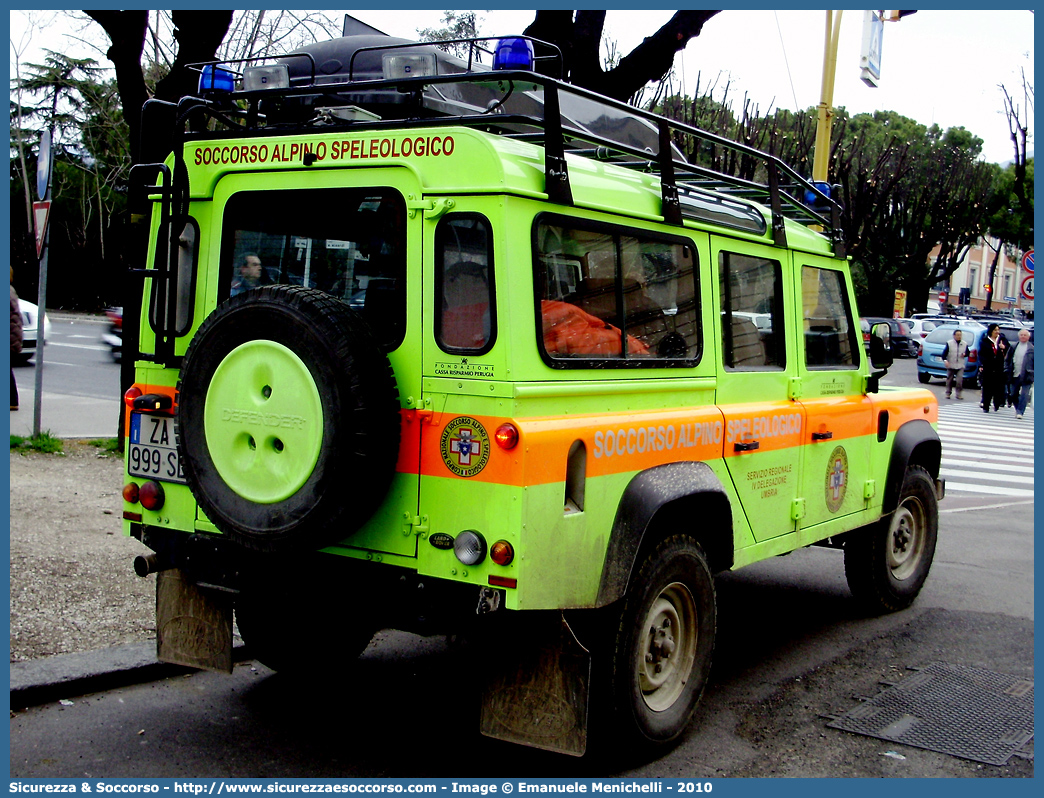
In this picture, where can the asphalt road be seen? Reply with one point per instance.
(81, 382)
(793, 651)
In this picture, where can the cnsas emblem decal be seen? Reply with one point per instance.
(836, 479)
(465, 447)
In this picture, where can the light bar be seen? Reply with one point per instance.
(273, 76)
(214, 78)
(513, 53)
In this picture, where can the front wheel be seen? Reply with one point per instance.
(663, 643)
(887, 563)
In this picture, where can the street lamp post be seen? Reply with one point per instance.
(821, 161)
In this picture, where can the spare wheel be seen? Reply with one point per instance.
(287, 419)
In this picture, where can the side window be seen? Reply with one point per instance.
(751, 290)
(465, 318)
(830, 337)
(350, 243)
(616, 295)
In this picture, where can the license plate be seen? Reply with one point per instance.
(151, 452)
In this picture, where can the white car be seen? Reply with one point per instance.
(919, 328)
(30, 314)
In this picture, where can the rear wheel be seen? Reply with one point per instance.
(663, 644)
(886, 564)
(924, 377)
(287, 419)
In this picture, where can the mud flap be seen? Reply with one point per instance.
(538, 689)
(193, 625)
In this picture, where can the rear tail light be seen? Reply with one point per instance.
(150, 494)
(132, 393)
(506, 436)
(502, 552)
(130, 493)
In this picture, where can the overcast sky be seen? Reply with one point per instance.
(940, 67)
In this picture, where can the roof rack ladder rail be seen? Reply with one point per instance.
(837, 232)
(671, 205)
(779, 228)
(556, 172)
(164, 195)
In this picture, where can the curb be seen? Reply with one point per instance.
(41, 681)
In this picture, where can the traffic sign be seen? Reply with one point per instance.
(41, 211)
(1027, 261)
(1027, 287)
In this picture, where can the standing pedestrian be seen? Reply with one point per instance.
(955, 356)
(1021, 358)
(992, 351)
(16, 343)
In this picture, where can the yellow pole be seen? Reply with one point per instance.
(821, 162)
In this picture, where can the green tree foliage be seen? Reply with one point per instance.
(905, 187)
(455, 25)
(91, 159)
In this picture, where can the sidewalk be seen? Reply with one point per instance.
(41, 681)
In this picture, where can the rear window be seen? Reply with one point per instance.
(940, 335)
(350, 243)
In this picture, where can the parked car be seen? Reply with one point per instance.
(30, 314)
(903, 344)
(919, 328)
(931, 361)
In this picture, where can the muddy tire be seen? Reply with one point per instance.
(287, 419)
(886, 564)
(663, 645)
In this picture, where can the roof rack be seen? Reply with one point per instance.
(562, 118)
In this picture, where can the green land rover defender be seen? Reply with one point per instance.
(433, 346)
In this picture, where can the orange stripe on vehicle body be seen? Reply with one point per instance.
(773, 425)
(620, 443)
(912, 404)
(616, 443)
(842, 416)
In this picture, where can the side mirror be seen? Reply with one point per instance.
(880, 346)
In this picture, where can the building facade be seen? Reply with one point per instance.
(967, 285)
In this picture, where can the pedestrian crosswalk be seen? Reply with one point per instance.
(986, 453)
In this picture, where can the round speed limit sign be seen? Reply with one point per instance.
(1027, 287)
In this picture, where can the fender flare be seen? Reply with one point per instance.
(683, 486)
(915, 443)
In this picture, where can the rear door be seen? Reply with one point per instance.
(349, 233)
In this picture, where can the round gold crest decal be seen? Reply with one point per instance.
(836, 479)
(465, 447)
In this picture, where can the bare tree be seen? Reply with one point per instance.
(1018, 126)
(578, 34)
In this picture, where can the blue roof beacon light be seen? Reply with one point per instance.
(214, 78)
(816, 202)
(513, 53)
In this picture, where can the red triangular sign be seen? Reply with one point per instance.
(41, 210)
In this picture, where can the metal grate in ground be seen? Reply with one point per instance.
(966, 712)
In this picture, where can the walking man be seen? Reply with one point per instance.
(1021, 357)
(955, 356)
